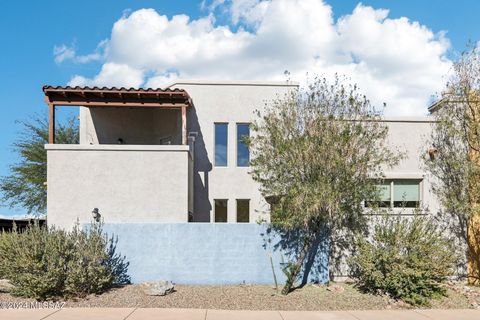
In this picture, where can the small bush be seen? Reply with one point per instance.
(45, 263)
(407, 258)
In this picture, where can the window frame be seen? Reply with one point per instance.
(419, 194)
(236, 203)
(392, 193)
(215, 145)
(237, 144)
(215, 210)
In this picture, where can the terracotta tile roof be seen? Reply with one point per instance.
(48, 88)
(113, 96)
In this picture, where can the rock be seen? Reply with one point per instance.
(158, 288)
(5, 285)
(349, 281)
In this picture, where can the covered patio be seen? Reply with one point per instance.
(123, 116)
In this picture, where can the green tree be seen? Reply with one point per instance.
(25, 185)
(319, 153)
(454, 158)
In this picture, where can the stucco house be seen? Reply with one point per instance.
(168, 173)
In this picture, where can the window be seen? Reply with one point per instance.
(243, 210)
(221, 138)
(243, 154)
(384, 194)
(406, 193)
(398, 193)
(220, 210)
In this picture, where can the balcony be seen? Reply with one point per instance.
(127, 183)
(133, 162)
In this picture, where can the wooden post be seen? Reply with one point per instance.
(184, 125)
(51, 123)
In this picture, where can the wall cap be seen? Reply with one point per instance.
(116, 147)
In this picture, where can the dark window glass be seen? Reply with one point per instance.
(220, 210)
(243, 154)
(221, 138)
(243, 210)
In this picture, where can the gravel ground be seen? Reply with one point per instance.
(261, 297)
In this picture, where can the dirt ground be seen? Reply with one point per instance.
(339, 296)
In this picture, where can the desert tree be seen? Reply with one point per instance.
(454, 155)
(319, 152)
(25, 185)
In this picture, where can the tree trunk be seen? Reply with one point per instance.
(474, 250)
(292, 276)
(473, 231)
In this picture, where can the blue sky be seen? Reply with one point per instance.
(30, 30)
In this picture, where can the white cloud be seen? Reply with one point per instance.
(112, 74)
(396, 61)
(251, 12)
(62, 53)
(211, 6)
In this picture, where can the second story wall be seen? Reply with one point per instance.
(231, 104)
(228, 103)
(409, 136)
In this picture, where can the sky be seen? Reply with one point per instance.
(399, 52)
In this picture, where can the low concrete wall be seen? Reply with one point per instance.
(198, 253)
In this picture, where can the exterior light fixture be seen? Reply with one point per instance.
(96, 214)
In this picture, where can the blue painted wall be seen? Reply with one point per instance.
(208, 253)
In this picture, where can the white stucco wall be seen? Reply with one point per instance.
(232, 103)
(137, 184)
(410, 136)
(128, 184)
(235, 102)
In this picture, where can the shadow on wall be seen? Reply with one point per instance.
(201, 167)
(315, 268)
(142, 126)
(210, 253)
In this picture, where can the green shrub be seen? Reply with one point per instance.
(407, 258)
(45, 263)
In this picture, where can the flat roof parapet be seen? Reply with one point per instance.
(235, 83)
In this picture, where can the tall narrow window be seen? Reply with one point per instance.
(243, 210)
(221, 143)
(243, 154)
(220, 210)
